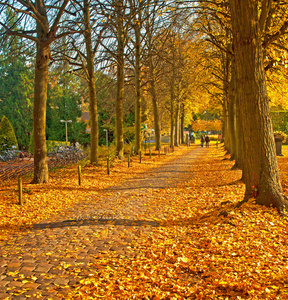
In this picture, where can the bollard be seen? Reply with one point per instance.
(108, 166)
(140, 156)
(128, 160)
(79, 175)
(159, 152)
(150, 152)
(20, 186)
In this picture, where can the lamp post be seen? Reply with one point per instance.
(66, 121)
(106, 130)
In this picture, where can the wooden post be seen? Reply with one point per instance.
(159, 152)
(140, 156)
(108, 166)
(79, 175)
(20, 188)
(128, 160)
(150, 152)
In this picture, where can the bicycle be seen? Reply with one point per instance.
(8, 156)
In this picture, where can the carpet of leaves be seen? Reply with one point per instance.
(204, 248)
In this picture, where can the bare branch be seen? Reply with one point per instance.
(57, 19)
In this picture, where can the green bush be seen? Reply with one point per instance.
(7, 134)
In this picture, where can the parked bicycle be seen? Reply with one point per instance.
(66, 153)
(8, 155)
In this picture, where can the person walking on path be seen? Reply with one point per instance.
(207, 140)
(202, 140)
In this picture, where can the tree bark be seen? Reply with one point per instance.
(39, 114)
(238, 145)
(226, 101)
(260, 163)
(182, 138)
(94, 136)
(231, 117)
(137, 87)
(120, 79)
(177, 123)
(172, 115)
(41, 174)
(157, 130)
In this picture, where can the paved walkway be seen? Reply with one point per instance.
(49, 260)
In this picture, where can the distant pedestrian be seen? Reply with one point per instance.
(202, 140)
(207, 140)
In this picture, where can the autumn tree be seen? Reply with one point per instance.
(213, 23)
(260, 164)
(89, 33)
(117, 18)
(40, 21)
(151, 26)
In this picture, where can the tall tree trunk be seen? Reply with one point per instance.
(94, 137)
(260, 163)
(120, 80)
(231, 118)
(226, 102)
(157, 129)
(41, 174)
(225, 120)
(172, 117)
(137, 87)
(177, 123)
(182, 138)
(39, 114)
(238, 145)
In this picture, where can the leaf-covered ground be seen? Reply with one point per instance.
(183, 238)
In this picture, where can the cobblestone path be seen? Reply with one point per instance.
(40, 264)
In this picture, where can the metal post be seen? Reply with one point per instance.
(66, 121)
(106, 130)
(66, 132)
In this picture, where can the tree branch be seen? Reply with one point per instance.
(275, 36)
(57, 19)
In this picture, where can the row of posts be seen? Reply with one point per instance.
(165, 149)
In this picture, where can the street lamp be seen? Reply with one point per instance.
(66, 121)
(106, 130)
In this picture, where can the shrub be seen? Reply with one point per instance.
(7, 134)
